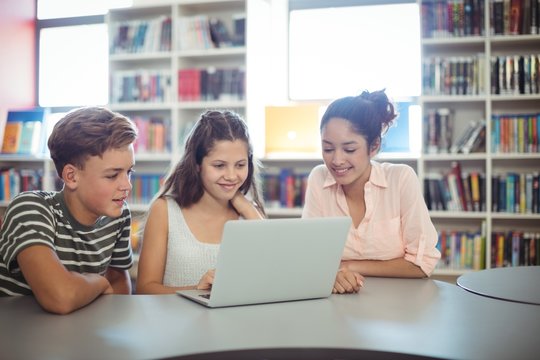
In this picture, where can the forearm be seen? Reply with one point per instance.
(79, 290)
(119, 280)
(399, 268)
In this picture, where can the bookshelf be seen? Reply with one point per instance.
(158, 56)
(167, 66)
(469, 51)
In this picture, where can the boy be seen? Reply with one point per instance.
(69, 247)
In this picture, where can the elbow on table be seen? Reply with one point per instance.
(60, 302)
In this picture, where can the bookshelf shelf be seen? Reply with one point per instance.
(488, 95)
(219, 52)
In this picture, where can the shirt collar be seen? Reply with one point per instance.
(377, 177)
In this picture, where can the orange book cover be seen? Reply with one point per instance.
(12, 137)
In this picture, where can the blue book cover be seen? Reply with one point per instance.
(31, 135)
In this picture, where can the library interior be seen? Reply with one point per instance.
(463, 76)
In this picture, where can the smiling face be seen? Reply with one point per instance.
(101, 187)
(224, 169)
(346, 153)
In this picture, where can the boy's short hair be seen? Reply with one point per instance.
(88, 131)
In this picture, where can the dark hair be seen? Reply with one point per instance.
(88, 131)
(184, 183)
(370, 114)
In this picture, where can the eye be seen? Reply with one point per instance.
(112, 177)
(219, 166)
(349, 151)
(241, 165)
(328, 150)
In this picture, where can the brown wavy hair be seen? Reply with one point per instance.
(184, 183)
(88, 131)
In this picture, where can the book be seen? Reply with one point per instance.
(12, 137)
(476, 138)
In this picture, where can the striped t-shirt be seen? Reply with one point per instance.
(40, 217)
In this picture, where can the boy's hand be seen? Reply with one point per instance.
(347, 282)
(207, 280)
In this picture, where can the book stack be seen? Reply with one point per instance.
(516, 193)
(515, 133)
(515, 248)
(153, 135)
(461, 250)
(141, 36)
(201, 32)
(23, 132)
(455, 190)
(144, 187)
(14, 181)
(515, 17)
(452, 18)
(472, 139)
(211, 84)
(128, 86)
(284, 189)
(438, 124)
(515, 74)
(461, 75)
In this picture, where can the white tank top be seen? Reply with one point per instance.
(188, 259)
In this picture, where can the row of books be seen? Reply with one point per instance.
(140, 86)
(516, 193)
(153, 134)
(511, 133)
(23, 131)
(455, 190)
(438, 134)
(461, 250)
(210, 84)
(14, 181)
(144, 188)
(285, 189)
(515, 248)
(200, 32)
(515, 74)
(452, 18)
(515, 17)
(141, 36)
(462, 75)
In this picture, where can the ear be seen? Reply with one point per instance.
(70, 175)
(375, 147)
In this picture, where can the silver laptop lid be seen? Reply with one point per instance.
(278, 260)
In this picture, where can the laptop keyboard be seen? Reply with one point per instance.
(206, 296)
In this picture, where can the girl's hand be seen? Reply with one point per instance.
(207, 280)
(347, 282)
(244, 207)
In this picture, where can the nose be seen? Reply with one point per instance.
(125, 184)
(338, 157)
(230, 174)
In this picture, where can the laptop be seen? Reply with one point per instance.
(274, 260)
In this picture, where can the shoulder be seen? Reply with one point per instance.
(319, 173)
(396, 171)
(40, 201)
(159, 208)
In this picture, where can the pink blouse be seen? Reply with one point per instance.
(396, 223)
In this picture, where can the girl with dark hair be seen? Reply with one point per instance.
(207, 188)
(392, 234)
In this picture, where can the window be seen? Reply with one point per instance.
(342, 50)
(342, 47)
(73, 52)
